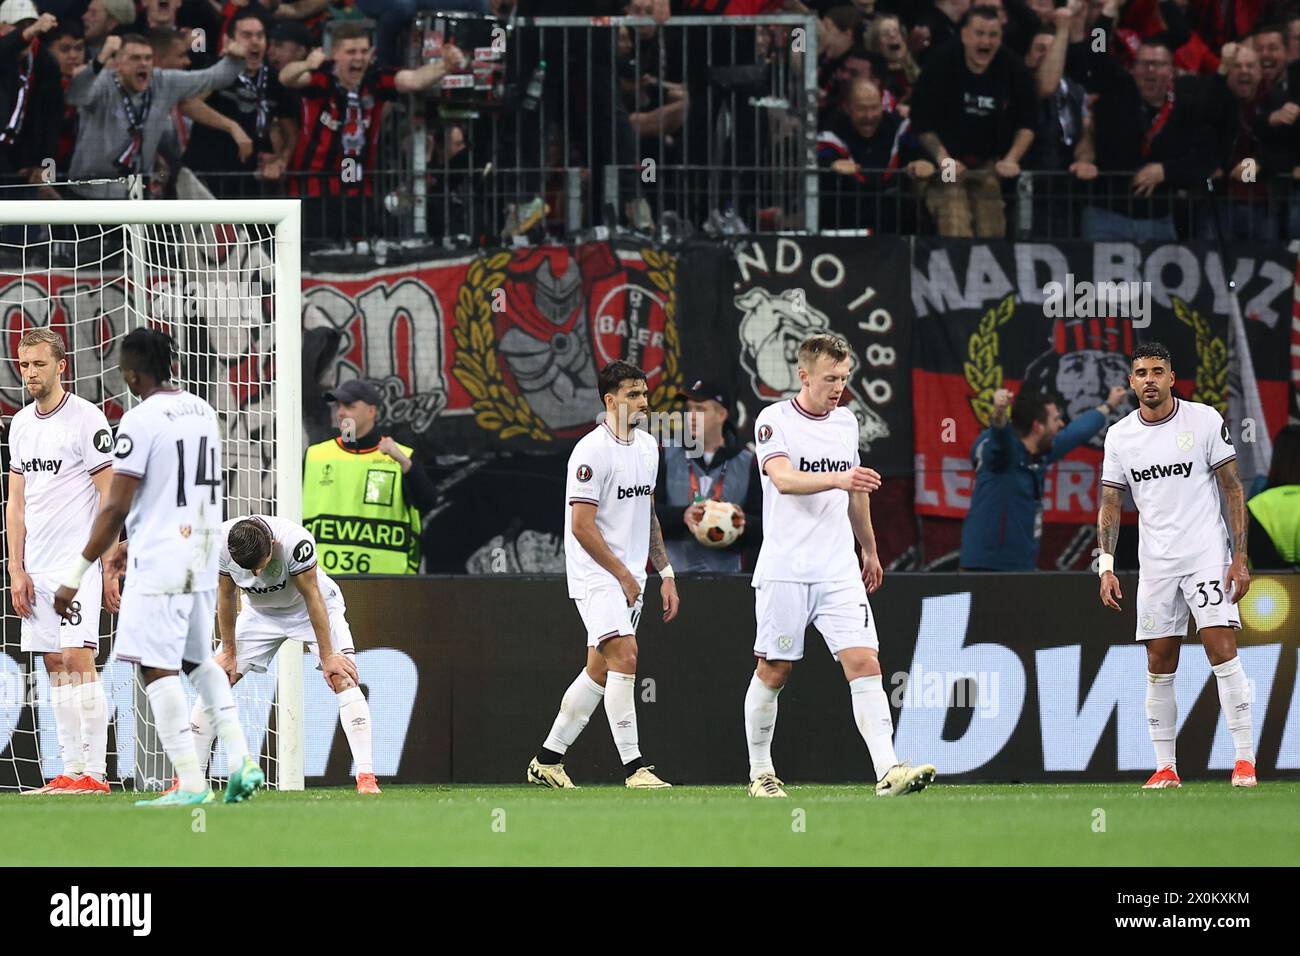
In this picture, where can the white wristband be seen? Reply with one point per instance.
(667, 572)
(1105, 562)
(72, 577)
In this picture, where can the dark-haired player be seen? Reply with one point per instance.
(817, 498)
(287, 596)
(1170, 454)
(609, 530)
(167, 490)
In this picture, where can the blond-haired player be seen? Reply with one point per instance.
(60, 470)
(816, 499)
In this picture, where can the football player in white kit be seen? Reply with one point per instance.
(287, 596)
(610, 530)
(167, 490)
(816, 498)
(60, 464)
(1170, 454)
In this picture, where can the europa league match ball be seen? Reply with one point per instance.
(720, 525)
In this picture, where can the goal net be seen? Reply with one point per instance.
(226, 287)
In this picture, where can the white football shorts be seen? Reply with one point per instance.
(1163, 603)
(47, 633)
(164, 630)
(838, 609)
(605, 614)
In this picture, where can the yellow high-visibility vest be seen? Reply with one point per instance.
(352, 503)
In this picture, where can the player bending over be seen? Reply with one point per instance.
(609, 529)
(1170, 454)
(60, 469)
(167, 489)
(816, 498)
(262, 556)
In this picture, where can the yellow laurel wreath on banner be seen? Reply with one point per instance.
(496, 407)
(662, 273)
(983, 370)
(1211, 359)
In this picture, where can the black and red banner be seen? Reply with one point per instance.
(987, 317)
(786, 289)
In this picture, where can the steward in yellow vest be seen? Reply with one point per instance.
(362, 499)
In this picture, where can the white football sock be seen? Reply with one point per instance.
(760, 726)
(67, 722)
(1162, 718)
(167, 701)
(576, 707)
(93, 709)
(354, 715)
(875, 724)
(213, 686)
(620, 708)
(204, 733)
(1235, 699)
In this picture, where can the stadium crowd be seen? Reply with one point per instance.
(1132, 116)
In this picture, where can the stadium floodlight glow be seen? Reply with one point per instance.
(224, 278)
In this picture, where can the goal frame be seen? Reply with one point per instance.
(285, 216)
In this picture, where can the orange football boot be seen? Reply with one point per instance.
(86, 784)
(1165, 779)
(1243, 774)
(60, 782)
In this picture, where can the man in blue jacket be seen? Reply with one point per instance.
(1003, 528)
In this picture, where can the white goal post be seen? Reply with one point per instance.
(199, 268)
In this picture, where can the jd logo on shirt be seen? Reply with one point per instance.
(103, 441)
(635, 491)
(1182, 469)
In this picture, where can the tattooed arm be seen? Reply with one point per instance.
(1108, 517)
(658, 553)
(659, 559)
(1235, 496)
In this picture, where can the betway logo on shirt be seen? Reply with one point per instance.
(823, 464)
(273, 588)
(1182, 469)
(636, 491)
(52, 465)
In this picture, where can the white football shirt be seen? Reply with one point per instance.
(293, 552)
(171, 443)
(806, 538)
(1168, 466)
(56, 454)
(619, 478)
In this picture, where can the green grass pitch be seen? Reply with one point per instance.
(1207, 824)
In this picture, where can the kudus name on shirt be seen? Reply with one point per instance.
(1181, 469)
(823, 464)
(74, 909)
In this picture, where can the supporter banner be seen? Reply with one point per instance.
(499, 350)
(987, 318)
(786, 289)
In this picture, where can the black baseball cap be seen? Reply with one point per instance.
(355, 390)
(290, 30)
(705, 390)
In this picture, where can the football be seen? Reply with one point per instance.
(720, 525)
